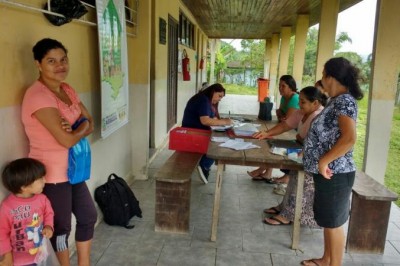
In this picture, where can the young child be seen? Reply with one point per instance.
(26, 215)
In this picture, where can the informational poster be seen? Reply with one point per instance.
(113, 64)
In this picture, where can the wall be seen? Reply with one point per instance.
(186, 89)
(17, 70)
(126, 151)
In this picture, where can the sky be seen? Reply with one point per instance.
(358, 21)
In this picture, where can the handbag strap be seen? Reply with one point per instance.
(113, 175)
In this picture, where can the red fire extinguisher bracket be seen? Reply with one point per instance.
(185, 66)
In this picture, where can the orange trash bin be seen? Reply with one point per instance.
(263, 89)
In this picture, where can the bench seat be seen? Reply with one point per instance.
(173, 191)
(369, 217)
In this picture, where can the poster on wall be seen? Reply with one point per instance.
(113, 65)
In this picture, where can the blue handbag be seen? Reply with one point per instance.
(79, 158)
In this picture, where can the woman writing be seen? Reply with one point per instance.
(49, 108)
(201, 112)
(328, 155)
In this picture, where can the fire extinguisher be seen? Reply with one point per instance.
(201, 65)
(185, 66)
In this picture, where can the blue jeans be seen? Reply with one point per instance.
(206, 162)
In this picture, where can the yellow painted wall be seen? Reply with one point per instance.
(20, 29)
(186, 89)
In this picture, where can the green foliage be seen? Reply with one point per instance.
(310, 59)
(392, 180)
(361, 129)
(253, 53)
(250, 57)
(239, 89)
(341, 38)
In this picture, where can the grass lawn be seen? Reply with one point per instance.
(392, 180)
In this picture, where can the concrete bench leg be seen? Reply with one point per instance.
(172, 207)
(367, 225)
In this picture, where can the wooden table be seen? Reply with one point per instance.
(255, 157)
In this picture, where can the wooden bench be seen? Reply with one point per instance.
(369, 217)
(173, 190)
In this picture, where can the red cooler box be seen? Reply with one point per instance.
(189, 139)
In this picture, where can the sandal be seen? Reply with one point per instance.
(280, 190)
(255, 177)
(272, 210)
(275, 218)
(271, 181)
(312, 262)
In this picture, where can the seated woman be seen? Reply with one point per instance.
(288, 105)
(312, 101)
(202, 112)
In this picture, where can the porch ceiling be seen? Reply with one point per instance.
(253, 19)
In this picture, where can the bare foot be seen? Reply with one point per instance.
(256, 173)
(282, 180)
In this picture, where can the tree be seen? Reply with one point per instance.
(310, 59)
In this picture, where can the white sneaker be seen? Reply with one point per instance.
(280, 189)
(202, 175)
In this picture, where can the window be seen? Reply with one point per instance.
(131, 10)
(186, 31)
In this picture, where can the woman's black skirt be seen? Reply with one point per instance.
(332, 199)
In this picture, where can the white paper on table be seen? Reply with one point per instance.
(279, 151)
(238, 145)
(245, 129)
(220, 139)
(221, 128)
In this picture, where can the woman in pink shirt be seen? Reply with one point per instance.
(312, 101)
(49, 108)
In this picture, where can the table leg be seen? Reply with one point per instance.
(297, 212)
(215, 216)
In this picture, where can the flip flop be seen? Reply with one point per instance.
(310, 262)
(276, 219)
(270, 180)
(272, 210)
(255, 178)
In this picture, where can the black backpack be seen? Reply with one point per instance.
(117, 202)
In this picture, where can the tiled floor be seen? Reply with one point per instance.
(242, 238)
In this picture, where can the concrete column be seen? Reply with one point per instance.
(385, 70)
(302, 25)
(139, 95)
(274, 65)
(326, 34)
(286, 32)
(267, 57)
(204, 54)
(214, 44)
